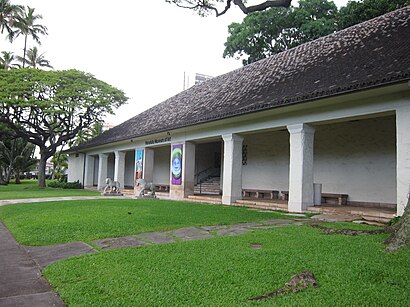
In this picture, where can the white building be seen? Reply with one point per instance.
(335, 111)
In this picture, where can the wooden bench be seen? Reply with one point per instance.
(255, 193)
(334, 198)
(161, 188)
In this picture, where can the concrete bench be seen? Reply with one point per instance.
(338, 199)
(284, 195)
(255, 193)
(334, 198)
(161, 188)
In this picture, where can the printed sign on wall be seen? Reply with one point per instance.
(176, 164)
(139, 163)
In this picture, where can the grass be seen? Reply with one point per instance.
(85, 220)
(30, 189)
(225, 271)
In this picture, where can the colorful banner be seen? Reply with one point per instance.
(176, 164)
(139, 163)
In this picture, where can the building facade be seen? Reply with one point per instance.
(335, 111)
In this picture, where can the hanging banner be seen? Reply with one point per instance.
(139, 163)
(176, 164)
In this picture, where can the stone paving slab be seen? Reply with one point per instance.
(266, 226)
(121, 242)
(191, 233)
(278, 222)
(19, 274)
(187, 238)
(32, 300)
(241, 225)
(233, 231)
(156, 237)
(45, 255)
(211, 228)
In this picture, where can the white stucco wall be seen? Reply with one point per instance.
(357, 158)
(162, 156)
(76, 167)
(129, 168)
(267, 161)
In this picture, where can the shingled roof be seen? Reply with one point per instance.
(370, 54)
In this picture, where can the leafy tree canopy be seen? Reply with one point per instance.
(358, 11)
(263, 34)
(49, 108)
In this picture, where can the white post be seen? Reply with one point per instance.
(301, 167)
(119, 167)
(403, 157)
(232, 168)
(102, 170)
(89, 171)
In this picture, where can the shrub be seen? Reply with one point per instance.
(64, 185)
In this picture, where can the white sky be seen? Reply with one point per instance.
(140, 47)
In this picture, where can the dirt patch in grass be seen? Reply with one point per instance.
(297, 283)
(348, 232)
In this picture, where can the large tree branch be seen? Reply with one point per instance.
(261, 6)
(202, 6)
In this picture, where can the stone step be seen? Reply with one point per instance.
(204, 199)
(261, 205)
(208, 189)
(368, 214)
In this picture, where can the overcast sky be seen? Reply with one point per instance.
(140, 47)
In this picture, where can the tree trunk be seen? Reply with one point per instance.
(42, 171)
(2, 182)
(25, 49)
(17, 173)
(9, 170)
(401, 232)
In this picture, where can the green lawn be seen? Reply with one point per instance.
(85, 220)
(225, 271)
(30, 189)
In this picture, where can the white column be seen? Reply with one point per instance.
(102, 170)
(119, 167)
(188, 173)
(148, 171)
(301, 167)
(403, 157)
(222, 167)
(89, 171)
(232, 168)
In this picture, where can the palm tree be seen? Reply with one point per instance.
(27, 26)
(24, 161)
(16, 156)
(34, 59)
(60, 165)
(9, 15)
(6, 61)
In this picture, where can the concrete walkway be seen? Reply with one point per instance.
(47, 199)
(45, 255)
(21, 283)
